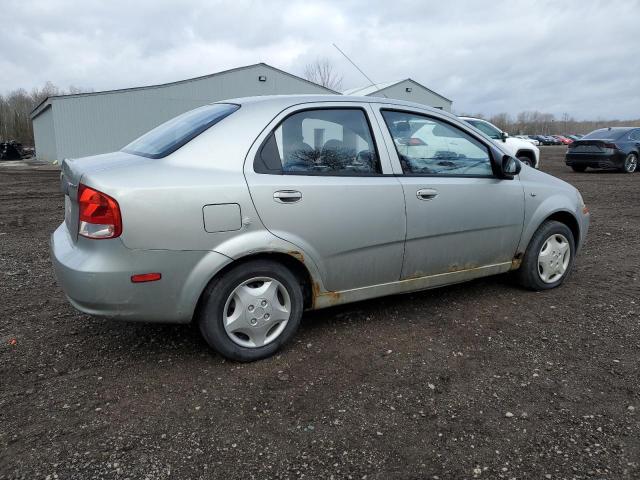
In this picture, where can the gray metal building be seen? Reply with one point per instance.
(69, 126)
(406, 89)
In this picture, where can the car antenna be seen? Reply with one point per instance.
(357, 67)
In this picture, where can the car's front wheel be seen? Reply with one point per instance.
(630, 163)
(549, 257)
(252, 310)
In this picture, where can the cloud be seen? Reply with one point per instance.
(489, 57)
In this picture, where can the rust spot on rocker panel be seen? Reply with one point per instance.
(459, 268)
(413, 276)
(330, 298)
(517, 261)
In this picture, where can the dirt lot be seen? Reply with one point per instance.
(477, 380)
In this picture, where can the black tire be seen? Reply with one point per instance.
(630, 164)
(578, 168)
(211, 315)
(527, 275)
(526, 160)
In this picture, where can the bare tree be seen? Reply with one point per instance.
(323, 73)
(15, 110)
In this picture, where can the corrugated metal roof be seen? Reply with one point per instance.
(372, 90)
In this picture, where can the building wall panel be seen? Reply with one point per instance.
(99, 123)
(45, 135)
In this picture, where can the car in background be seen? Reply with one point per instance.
(242, 214)
(562, 139)
(548, 140)
(606, 148)
(523, 150)
(529, 139)
(542, 139)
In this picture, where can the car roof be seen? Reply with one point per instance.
(464, 117)
(284, 101)
(614, 129)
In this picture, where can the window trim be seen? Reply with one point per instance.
(490, 148)
(380, 173)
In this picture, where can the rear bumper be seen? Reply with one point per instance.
(96, 278)
(595, 160)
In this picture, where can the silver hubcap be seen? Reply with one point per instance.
(256, 312)
(553, 259)
(630, 163)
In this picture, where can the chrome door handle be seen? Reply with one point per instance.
(287, 196)
(427, 194)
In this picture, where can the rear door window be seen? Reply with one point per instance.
(333, 141)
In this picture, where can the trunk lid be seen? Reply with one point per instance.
(591, 146)
(74, 169)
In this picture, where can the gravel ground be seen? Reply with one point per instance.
(479, 380)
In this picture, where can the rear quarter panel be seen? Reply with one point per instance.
(162, 200)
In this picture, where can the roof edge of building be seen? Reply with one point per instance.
(38, 109)
(417, 83)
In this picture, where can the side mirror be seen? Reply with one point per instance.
(510, 167)
(504, 136)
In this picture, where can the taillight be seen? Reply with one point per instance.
(99, 214)
(610, 145)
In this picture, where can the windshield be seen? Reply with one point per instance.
(485, 128)
(171, 135)
(605, 134)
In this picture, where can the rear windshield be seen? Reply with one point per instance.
(605, 134)
(171, 135)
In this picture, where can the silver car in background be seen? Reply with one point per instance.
(241, 215)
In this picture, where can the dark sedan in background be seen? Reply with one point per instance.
(609, 148)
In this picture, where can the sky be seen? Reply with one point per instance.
(575, 57)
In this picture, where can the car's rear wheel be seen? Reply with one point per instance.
(252, 310)
(630, 163)
(549, 257)
(578, 168)
(526, 160)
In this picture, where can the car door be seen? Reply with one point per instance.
(319, 181)
(459, 215)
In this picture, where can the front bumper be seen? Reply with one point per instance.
(595, 160)
(96, 278)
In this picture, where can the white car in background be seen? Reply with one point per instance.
(522, 149)
(527, 138)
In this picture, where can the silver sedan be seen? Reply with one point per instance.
(241, 215)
